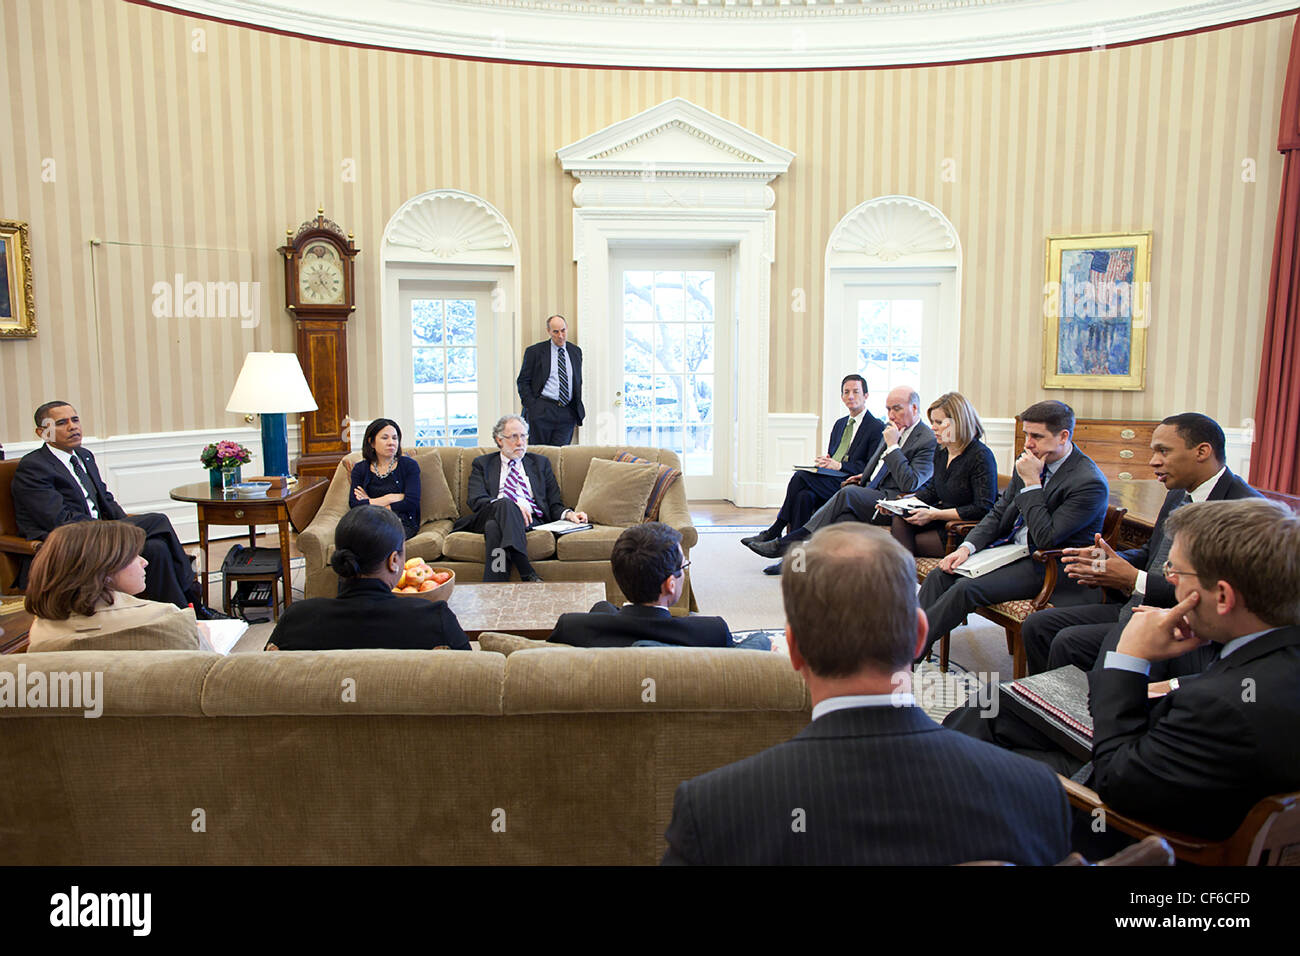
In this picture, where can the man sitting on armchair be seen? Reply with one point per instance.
(509, 492)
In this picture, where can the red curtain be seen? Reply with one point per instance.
(1275, 454)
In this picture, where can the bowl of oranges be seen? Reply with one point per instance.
(419, 579)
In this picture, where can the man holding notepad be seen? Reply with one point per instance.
(1057, 498)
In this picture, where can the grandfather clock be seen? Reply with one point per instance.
(320, 293)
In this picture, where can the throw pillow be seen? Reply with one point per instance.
(436, 499)
(615, 492)
(667, 475)
(507, 644)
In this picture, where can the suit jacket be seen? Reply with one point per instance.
(536, 369)
(907, 467)
(1066, 514)
(874, 786)
(1159, 592)
(127, 624)
(485, 479)
(46, 495)
(865, 439)
(367, 614)
(633, 623)
(1207, 752)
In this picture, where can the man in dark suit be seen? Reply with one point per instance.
(901, 462)
(550, 386)
(872, 780)
(1057, 498)
(650, 569)
(853, 438)
(509, 492)
(59, 483)
(1210, 749)
(1187, 455)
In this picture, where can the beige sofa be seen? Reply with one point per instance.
(575, 557)
(554, 756)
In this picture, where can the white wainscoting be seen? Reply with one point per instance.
(791, 440)
(141, 470)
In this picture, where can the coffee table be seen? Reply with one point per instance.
(514, 607)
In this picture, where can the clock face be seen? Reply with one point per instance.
(320, 275)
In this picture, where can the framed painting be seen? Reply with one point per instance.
(1096, 311)
(17, 303)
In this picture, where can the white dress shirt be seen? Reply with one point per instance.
(505, 473)
(551, 389)
(848, 701)
(902, 440)
(1198, 494)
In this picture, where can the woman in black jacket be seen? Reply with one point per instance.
(965, 480)
(369, 556)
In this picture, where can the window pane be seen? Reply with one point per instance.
(462, 366)
(669, 436)
(427, 366)
(668, 348)
(697, 457)
(699, 398)
(699, 348)
(461, 321)
(462, 416)
(668, 399)
(906, 323)
(430, 418)
(426, 322)
(668, 296)
(873, 321)
(638, 296)
(639, 435)
(699, 296)
(637, 400)
(638, 340)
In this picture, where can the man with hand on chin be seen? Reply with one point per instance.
(509, 492)
(1215, 745)
(1057, 498)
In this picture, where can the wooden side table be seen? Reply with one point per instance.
(215, 508)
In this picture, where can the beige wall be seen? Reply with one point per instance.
(198, 161)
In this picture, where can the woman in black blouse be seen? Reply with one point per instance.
(965, 480)
(369, 556)
(385, 477)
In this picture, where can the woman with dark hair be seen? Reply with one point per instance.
(81, 591)
(965, 480)
(385, 477)
(369, 556)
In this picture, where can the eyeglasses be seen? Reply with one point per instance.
(678, 572)
(1169, 570)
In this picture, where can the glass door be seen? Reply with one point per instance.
(446, 366)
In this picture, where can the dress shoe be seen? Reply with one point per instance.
(767, 535)
(531, 578)
(773, 568)
(204, 613)
(768, 549)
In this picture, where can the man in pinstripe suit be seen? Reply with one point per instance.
(872, 780)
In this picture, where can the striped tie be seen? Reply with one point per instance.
(564, 376)
(517, 490)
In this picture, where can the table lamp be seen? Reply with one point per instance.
(271, 384)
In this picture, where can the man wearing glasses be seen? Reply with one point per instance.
(650, 569)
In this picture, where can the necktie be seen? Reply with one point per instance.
(564, 376)
(842, 449)
(79, 470)
(517, 491)
(1020, 518)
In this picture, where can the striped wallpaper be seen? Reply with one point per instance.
(187, 147)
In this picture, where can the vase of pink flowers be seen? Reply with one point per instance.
(223, 460)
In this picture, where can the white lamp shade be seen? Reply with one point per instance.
(271, 382)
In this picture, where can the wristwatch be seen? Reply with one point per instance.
(1173, 684)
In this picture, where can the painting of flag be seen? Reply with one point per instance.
(1096, 311)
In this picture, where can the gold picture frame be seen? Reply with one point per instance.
(17, 301)
(1096, 311)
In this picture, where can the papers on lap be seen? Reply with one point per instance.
(903, 506)
(982, 562)
(1056, 703)
(223, 635)
(832, 472)
(561, 527)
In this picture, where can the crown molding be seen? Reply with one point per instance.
(732, 34)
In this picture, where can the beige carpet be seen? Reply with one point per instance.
(729, 581)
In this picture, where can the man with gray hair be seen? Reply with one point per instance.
(508, 493)
(872, 780)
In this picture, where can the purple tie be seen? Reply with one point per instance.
(517, 491)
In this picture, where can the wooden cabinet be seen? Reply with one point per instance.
(1121, 449)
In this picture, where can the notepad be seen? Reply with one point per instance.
(561, 527)
(982, 562)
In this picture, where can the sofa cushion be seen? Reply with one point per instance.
(594, 545)
(131, 683)
(507, 644)
(615, 492)
(428, 542)
(663, 481)
(468, 546)
(436, 498)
